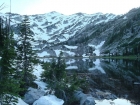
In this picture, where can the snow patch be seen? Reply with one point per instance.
(43, 54)
(70, 47)
(84, 55)
(41, 85)
(114, 102)
(71, 67)
(124, 17)
(37, 71)
(48, 100)
(97, 48)
(57, 52)
(70, 53)
(21, 102)
(70, 61)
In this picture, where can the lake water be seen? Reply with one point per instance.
(120, 77)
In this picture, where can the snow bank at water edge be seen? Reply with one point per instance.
(48, 100)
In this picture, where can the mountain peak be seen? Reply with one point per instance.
(54, 13)
(80, 14)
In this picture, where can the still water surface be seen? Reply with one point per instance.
(121, 77)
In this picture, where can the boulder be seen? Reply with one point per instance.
(32, 95)
(85, 99)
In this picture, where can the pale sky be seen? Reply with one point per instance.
(68, 7)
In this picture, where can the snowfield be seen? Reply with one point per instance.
(114, 102)
(97, 48)
(48, 100)
(21, 102)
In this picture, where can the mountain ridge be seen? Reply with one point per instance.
(53, 31)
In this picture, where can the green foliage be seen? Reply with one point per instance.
(54, 73)
(1, 34)
(9, 84)
(26, 57)
(57, 78)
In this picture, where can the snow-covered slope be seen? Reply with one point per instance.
(74, 34)
(54, 28)
(57, 27)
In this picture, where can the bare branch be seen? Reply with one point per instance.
(2, 6)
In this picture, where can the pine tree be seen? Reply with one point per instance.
(9, 85)
(1, 34)
(26, 56)
(56, 77)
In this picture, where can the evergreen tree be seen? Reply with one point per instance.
(9, 84)
(54, 73)
(56, 77)
(1, 34)
(26, 56)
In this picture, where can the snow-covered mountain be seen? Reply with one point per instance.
(75, 34)
(53, 30)
(56, 27)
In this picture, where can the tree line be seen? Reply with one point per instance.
(16, 61)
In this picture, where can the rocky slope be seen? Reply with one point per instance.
(79, 33)
(55, 32)
(125, 36)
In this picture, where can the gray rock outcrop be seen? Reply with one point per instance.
(33, 95)
(85, 99)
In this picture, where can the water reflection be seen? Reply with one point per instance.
(124, 73)
(119, 77)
